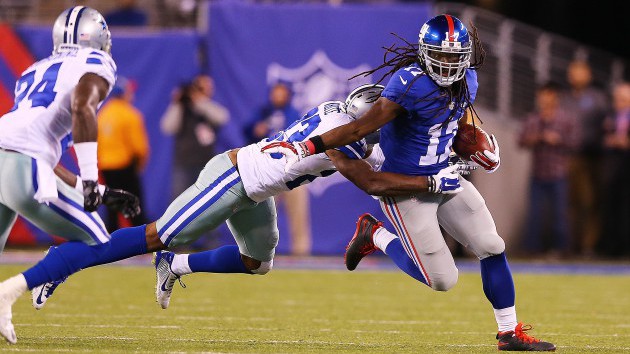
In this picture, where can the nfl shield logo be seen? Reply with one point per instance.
(317, 81)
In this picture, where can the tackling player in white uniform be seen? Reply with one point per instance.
(235, 187)
(55, 103)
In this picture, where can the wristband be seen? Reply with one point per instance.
(316, 145)
(79, 185)
(310, 148)
(431, 186)
(87, 161)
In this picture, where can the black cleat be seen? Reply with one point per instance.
(362, 243)
(519, 341)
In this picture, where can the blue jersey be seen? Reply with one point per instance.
(418, 142)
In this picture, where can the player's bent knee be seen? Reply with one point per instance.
(491, 246)
(445, 281)
(265, 267)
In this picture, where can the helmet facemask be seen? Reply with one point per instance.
(445, 64)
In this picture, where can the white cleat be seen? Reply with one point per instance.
(165, 277)
(41, 294)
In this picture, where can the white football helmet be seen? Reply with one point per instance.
(361, 99)
(80, 27)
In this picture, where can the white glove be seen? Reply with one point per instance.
(489, 160)
(446, 181)
(294, 152)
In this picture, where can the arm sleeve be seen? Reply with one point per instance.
(171, 121)
(215, 114)
(401, 88)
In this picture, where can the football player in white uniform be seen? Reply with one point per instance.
(55, 103)
(236, 186)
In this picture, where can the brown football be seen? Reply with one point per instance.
(470, 139)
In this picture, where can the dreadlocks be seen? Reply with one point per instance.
(397, 57)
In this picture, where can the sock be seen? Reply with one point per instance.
(13, 288)
(180, 264)
(70, 257)
(497, 281)
(225, 259)
(506, 318)
(382, 237)
(397, 253)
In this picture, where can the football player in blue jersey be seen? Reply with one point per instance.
(430, 93)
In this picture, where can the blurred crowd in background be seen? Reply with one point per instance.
(578, 134)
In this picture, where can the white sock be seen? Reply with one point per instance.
(180, 264)
(382, 238)
(506, 318)
(14, 287)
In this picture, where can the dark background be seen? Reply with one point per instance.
(601, 24)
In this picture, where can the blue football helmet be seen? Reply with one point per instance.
(444, 49)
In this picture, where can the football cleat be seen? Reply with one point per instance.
(518, 340)
(362, 243)
(165, 277)
(40, 294)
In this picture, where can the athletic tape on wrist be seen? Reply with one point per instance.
(87, 160)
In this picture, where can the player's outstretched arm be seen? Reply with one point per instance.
(379, 114)
(86, 96)
(387, 184)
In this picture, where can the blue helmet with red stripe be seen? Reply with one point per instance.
(444, 49)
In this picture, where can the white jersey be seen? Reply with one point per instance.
(263, 174)
(40, 123)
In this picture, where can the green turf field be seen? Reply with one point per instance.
(113, 309)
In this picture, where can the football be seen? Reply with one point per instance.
(470, 139)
